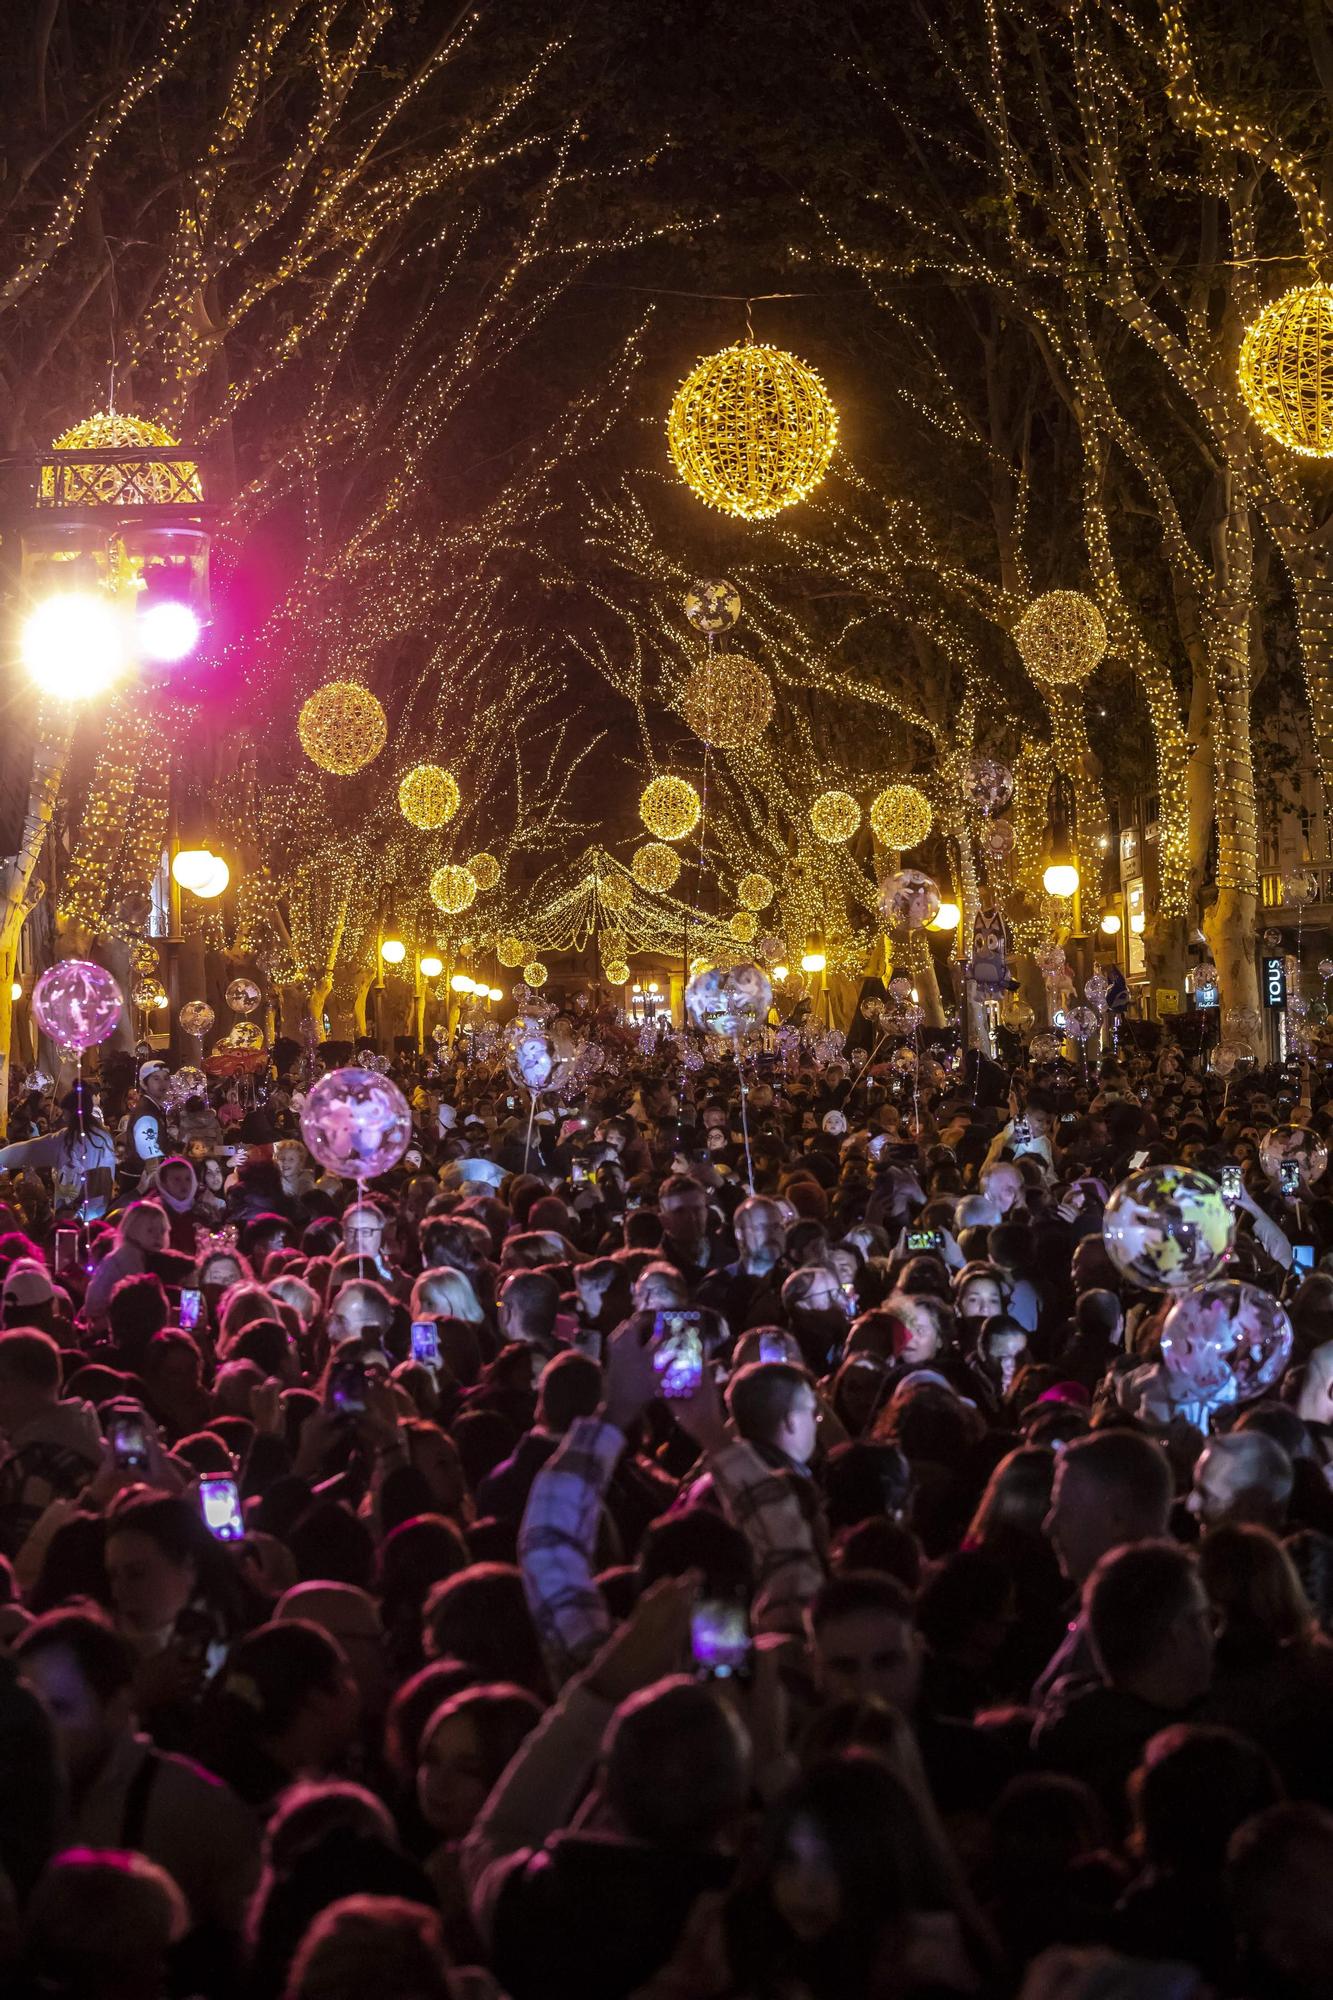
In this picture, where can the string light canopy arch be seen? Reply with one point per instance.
(752, 430)
(1061, 638)
(728, 701)
(1286, 370)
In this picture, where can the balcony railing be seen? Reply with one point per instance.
(1273, 897)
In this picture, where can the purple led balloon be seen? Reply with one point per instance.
(356, 1124)
(76, 1003)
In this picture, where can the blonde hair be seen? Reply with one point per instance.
(447, 1294)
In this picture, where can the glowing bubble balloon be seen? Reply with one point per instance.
(188, 1081)
(1095, 990)
(997, 839)
(243, 996)
(196, 1017)
(533, 1061)
(712, 604)
(356, 1124)
(249, 1035)
(1044, 1048)
(908, 900)
(1168, 1228)
(1300, 886)
(729, 1000)
(1228, 1340)
(76, 1003)
(988, 785)
(1016, 1014)
(1080, 1023)
(1293, 1143)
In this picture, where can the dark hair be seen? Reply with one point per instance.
(138, 1308)
(857, 1590)
(1132, 1468)
(105, 1659)
(268, 1678)
(1193, 1788)
(760, 1397)
(570, 1387)
(533, 1298)
(881, 1545)
(330, 1544)
(502, 1714)
(969, 1588)
(698, 1538)
(412, 1707)
(414, 1557)
(30, 1359)
(676, 1764)
(481, 1616)
(1131, 1601)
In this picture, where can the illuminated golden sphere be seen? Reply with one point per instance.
(727, 701)
(613, 943)
(535, 972)
(1286, 370)
(484, 870)
(756, 892)
(342, 728)
(743, 926)
(752, 430)
(153, 484)
(1061, 638)
(901, 817)
(835, 816)
(617, 972)
(511, 951)
(428, 796)
(452, 889)
(670, 808)
(655, 867)
(614, 891)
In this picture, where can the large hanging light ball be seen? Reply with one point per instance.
(428, 796)
(901, 817)
(752, 430)
(510, 950)
(728, 701)
(1061, 638)
(743, 926)
(145, 483)
(484, 870)
(616, 972)
(835, 817)
(670, 808)
(1286, 370)
(614, 892)
(452, 889)
(755, 892)
(535, 972)
(342, 728)
(655, 867)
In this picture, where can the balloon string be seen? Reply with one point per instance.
(532, 1112)
(745, 1122)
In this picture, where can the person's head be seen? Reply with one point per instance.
(1017, 1498)
(1002, 1185)
(676, 1765)
(465, 1746)
(759, 1233)
(528, 1304)
(144, 1227)
(288, 1688)
(1110, 1489)
(682, 1204)
(28, 1297)
(603, 1291)
(570, 1387)
(29, 1376)
(1194, 1787)
(1244, 1476)
(445, 1292)
(774, 1404)
(352, 1617)
(372, 1944)
(1098, 1317)
(659, 1287)
(481, 1616)
(1253, 1585)
(84, 1672)
(863, 1639)
(101, 1923)
(1279, 1865)
(177, 1180)
(363, 1229)
(979, 1292)
(1150, 1624)
(157, 1553)
(361, 1310)
(919, 1325)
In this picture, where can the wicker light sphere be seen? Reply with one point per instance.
(342, 728)
(121, 485)
(743, 926)
(510, 950)
(484, 870)
(728, 701)
(616, 971)
(670, 808)
(655, 867)
(613, 943)
(452, 889)
(901, 817)
(1061, 638)
(752, 430)
(535, 972)
(614, 891)
(1286, 370)
(756, 892)
(428, 796)
(835, 817)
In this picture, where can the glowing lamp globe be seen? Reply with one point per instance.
(214, 882)
(484, 870)
(428, 796)
(15, 989)
(727, 701)
(495, 993)
(167, 632)
(191, 865)
(74, 645)
(342, 728)
(670, 808)
(755, 892)
(947, 918)
(781, 973)
(393, 951)
(1286, 370)
(76, 1003)
(431, 966)
(461, 983)
(1060, 879)
(752, 430)
(835, 817)
(901, 817)
(814, 961)
(1061, 638)
(655, 867)
(356, 1123)
(452, 889)
(1111, 924)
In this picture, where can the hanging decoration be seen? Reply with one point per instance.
(615, 892)
(151, 482)
(534, 972)
(484, 870)
(510, 951)
(655, 867)
(428, 796)
(452, 889)
(727, 701)
(616, 971)
(1286, 370)
(901, 817)
(752, 430)
(712, 605)
(1061, 638)
(743, 926)
(755, 892)
(835, 817)
(342, 728)
(670, 808)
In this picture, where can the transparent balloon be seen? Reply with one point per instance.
(1227, 1341)
(532, 1061)
(196, 1018)
(1044, 1048)
(1300, 886)
(712, 604)
(1168, 1228)
(41, 1080)
(249, 1035)
(1325, 968)
(1016, 1014)
(872, 1010)
(1051, 961)
(77, 1003)
(243, 996)
(1095, 989)
(908, 900)
(1221, 1060)
(1241, 1023)
(356, 1124)
(903, 1062)
(988, 785)
(1272, 939)
(1080, 1023)
(997, 839)
(1287, 1144)
(730, 1000)
(900, 988)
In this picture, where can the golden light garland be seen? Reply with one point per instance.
(534, 972)
(484, 870)
(616, 972)
(150, 484)
(1286, 370)
(743, 926)
(1061, 638)
(670, 808)
(655, 867)
(452, 889)
(615, 892)
(755, 892)
(752, 430)
(728, 701)
(511, 951)
(835, 817)
(342, 728)
(428, 796)
(901, 817)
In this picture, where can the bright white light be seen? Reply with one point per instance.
(814, 961)
(780, 972)
(947, 918)
(431, 967)
(15, 989)
(495, 993)
(214, 882)
(462, 982)
(1111, 923)
(393, 951)
(74, 645)
(1060, 879)
(195, 868)
(167, 631)
(1137, 923)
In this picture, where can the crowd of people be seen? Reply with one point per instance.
(645, 1553)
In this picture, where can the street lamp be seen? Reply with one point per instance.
(74, 645)
(947, 918)
(393, 951)
(462, 982)
(1061, 879)
(1111, 924)
(431, 966)
(813, 961)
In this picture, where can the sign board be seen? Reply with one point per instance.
(1168, 1000)
(1273, 976)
